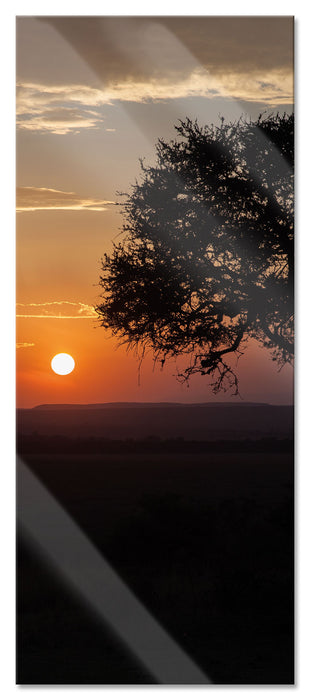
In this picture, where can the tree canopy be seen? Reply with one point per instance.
(207, 255)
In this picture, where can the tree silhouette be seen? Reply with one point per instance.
(208, 255)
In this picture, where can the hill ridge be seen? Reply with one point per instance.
(147, 404)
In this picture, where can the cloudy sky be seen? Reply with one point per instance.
(93, 96)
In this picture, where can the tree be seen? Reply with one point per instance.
(207, 260)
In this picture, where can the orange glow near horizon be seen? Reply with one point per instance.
(105, 372)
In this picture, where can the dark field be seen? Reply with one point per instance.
(205, 540)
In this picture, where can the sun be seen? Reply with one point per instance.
(62, 363)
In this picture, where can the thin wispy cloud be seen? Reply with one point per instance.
(56, 309)
(44, 198)
(24, 345)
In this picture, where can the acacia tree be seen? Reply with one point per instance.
(207, 256)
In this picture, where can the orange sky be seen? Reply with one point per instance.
(93, 97)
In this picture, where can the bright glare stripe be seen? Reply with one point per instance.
(73, 555)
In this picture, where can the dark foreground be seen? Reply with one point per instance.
(204, 538)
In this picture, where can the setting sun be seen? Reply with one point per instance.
(62, 363)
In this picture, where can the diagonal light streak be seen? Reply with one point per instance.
(59, 539)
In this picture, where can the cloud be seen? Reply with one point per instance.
(139, 49)
(70, 68)
(57, 109)
(61, 109)
(44, 198)
(24, 345)
(56, 309)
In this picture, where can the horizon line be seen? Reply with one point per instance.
(156, 403)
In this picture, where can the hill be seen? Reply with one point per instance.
(208, 421)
